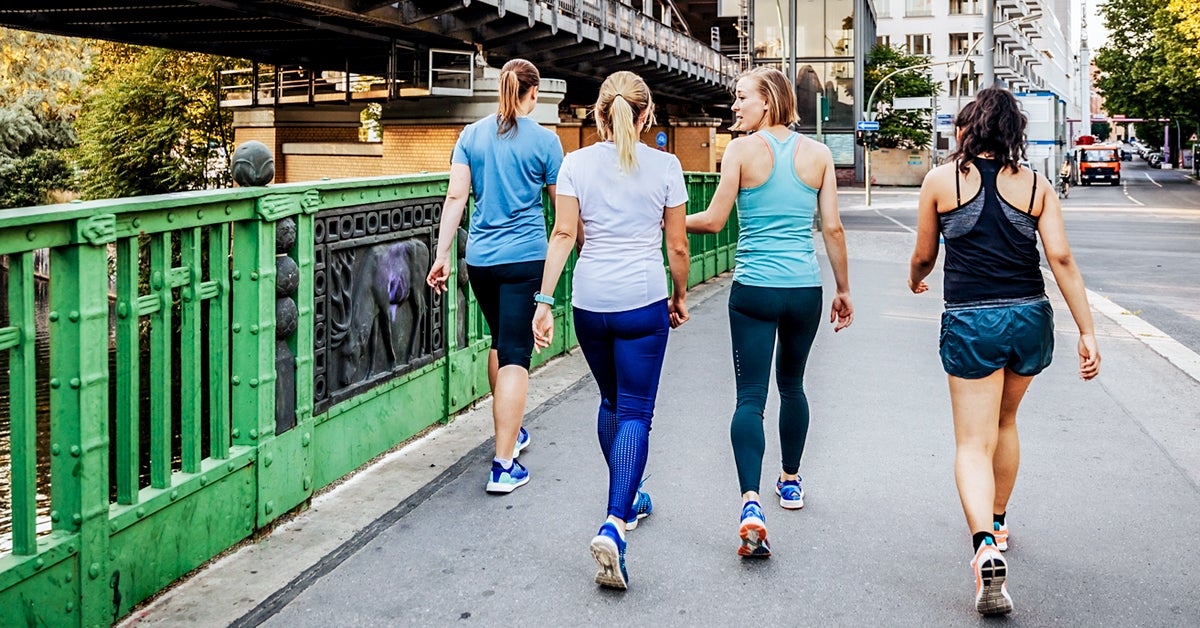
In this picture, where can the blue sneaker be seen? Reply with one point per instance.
(522, 442)
(791, 494)
(753, 532)
(608, 548)
(504, 480)
(642, 507)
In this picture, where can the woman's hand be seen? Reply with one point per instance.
(918, 287)
(842, 311)
(677, 310)
(543, 327)
(1089, 357)
(439, 273)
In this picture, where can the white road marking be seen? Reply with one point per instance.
(1125, 190)
(1152, 180)
(1185, 359)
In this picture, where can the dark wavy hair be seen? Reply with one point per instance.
(995, 125)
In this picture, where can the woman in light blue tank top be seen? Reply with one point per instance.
(779, 179)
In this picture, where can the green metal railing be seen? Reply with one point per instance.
(163, 331)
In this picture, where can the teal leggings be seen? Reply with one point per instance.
(756, 316)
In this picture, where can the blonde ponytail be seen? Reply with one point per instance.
(517, 77)
(624, 97)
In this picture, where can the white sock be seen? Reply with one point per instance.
(505, 463)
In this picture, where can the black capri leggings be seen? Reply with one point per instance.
(505, 294)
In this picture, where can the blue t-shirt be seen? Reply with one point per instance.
(507, 177)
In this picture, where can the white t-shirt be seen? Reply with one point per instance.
(621, 265)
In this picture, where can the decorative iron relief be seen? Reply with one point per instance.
(375, 318)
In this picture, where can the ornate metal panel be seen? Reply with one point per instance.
(375, 318)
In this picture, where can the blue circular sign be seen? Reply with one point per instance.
(661, 139)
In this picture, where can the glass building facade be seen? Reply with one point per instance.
(832, 40)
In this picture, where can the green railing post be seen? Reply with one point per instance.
(22, 404)
(126, 440)
(79, 407)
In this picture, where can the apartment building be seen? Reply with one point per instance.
(1028, 55)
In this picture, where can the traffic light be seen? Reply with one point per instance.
(872, 140)
(860, 138)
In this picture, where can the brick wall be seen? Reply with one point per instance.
(695, 148)
(569, 136)
(418, 148)
(314, 167)
(290, 134)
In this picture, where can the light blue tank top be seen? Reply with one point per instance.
(775, 243)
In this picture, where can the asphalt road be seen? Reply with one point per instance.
(1137, 243)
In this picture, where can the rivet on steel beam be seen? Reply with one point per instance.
(137, 222)
(254, 330)
(75, 451)
(39, 563)
(254, 275)
(237, 274)
(94, 571)
(253, 434)
(74, 383)
(156, 281)
(53, 317)
(31, 235)
(236, 382)
(232, 466)
(141, 512)
(267, 460)
(113, 526)
(254, 382)
(237, 434)
(305, 439)
(307, 482)
(174, 495)
(123, 310)
(73, 316)
(204, 480)
(54, 516)
(228, 209)
(269, 508)
(69, 578)
(170, 216)
(54, 449)
(76, 519)
(237, 327)
(199, 213)
(70, 606)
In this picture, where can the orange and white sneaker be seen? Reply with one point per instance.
(991, 573)
(1000, 531)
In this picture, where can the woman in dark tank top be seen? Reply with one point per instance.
(997, 331)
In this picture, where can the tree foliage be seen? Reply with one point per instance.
(899, 128)
(1150, 66)
(1101, 130)
(151, 122)
(39, 80)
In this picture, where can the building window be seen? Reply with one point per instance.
(961, 42)
(915, 8)
(883, 40)
(883, 8)
(964, 7)
(918, 44)
(964, 85)
(825, 30)
(835, 81)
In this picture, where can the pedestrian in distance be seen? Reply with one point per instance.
(504, 160)
(779, 179)
(997, 330)
(617, 198)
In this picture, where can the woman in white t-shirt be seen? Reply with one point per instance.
(625, 194)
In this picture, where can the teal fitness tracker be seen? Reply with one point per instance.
(543, 298)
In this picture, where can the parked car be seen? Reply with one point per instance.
(1154, 158)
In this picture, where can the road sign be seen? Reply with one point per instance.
(945, 122)
(661, 139)
(868, 125)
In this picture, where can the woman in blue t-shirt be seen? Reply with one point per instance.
(779, 178)
(504, 160)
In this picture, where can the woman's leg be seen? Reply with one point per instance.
(638, 349)
(1008, 449)
(797, 329)
(596, 342)
(752, 328)
(976, 404)
(514, 346)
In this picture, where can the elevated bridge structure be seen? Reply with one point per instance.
(416, 47)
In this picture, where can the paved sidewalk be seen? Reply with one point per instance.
(1103, 519)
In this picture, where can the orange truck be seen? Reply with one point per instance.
(1099, 162)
